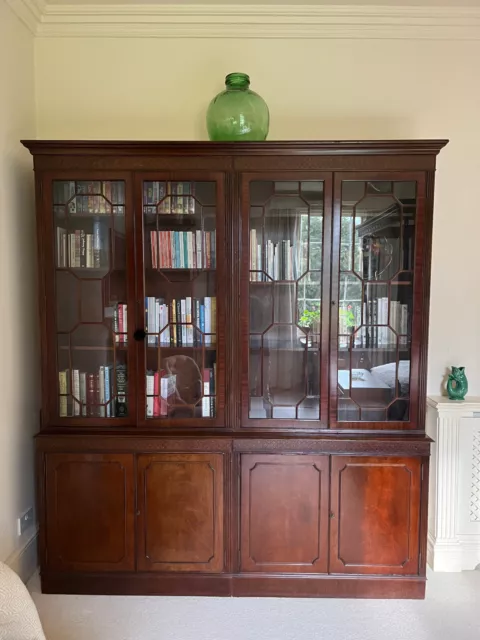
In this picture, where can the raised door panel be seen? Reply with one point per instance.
(180, 520)
(90, 512)
(375, 522)
(284, 513)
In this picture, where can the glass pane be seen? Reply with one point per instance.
(375, 300)
(180, 299)
(286, 243)
(90, 291)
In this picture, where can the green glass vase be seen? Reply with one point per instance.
(237, 113)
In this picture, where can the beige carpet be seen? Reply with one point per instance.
(450, 612)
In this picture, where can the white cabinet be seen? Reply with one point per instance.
(454, 500)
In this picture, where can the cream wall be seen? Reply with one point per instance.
(19, 402)
(159, 89)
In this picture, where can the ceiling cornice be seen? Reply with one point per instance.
(249, 21)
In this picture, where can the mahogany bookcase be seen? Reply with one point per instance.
(234, 359)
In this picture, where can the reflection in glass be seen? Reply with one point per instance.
(91, 309)
(180, 299)
(286, 239)
(375, 300)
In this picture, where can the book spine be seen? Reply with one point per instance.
(213, 249)
(191, 261)
(202, 324)
(97, 244)
(121, 377)
(163, 395)
(152, 338)
(101, 391)
(120, 322)
(404, 324)
(213, 320)
(125, 326)
(178, 311)
(90, 394)
(188, 319)
(76, 392)
(97, 409)
(83, 393)
(208, 320)
(83, 249)
(107, 393)
(156, 392)
(173, 321)
(89, 251)
(206, 394)
(183, 307)
(197, 336)
(212, 393)
(150, 388)
(62, 390)
(115, 325)
(187, 263)
(198, 245)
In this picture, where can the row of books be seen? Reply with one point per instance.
(183, 249)
(375, 331)
(120, 317)
(172, 324)
(82, 250)
(94, 197)
(278, 260)
(93, 393)
(162, 393)
(168, 197)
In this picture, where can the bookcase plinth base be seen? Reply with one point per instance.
(236, 585)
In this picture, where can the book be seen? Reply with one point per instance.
(97, 244)
(89, 251)
(76, 392)
(62, 390)
(178, 315)
(173, 323)
(403, 324)
(202, 324)
(188, 319)
(91, 399)
(183, 310)
(156, 392)
(199, 245)
(168, 389)
(83, 393)
(212, 390)
(206, 394)
(149, 385)
(108, 390)
(125, 325)
(121, 408)
(120, 322)
(101, 391)
(213, 320)
(208, 320)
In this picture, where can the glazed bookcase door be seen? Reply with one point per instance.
(377, 300)
(285, 292)
(180, 314)
(89, 296)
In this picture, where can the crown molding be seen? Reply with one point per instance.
(249, 21)
(30, 12)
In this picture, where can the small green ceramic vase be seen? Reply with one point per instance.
(457, 385)
(238, 113)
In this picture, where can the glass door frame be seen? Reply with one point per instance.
(280, 424)
(47, 255)
(182, 175)
(420, 281)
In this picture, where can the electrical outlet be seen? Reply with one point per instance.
(25, 521)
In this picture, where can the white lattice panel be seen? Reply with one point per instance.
(475, 489)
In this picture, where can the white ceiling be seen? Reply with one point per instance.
(379, 3)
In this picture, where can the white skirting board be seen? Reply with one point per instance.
(454, 497)
(24, 561)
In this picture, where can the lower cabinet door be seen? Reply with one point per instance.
(284, 513)
(180, 512)
(89, 516)
(375, 522)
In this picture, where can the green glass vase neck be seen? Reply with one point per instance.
(237, 82)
